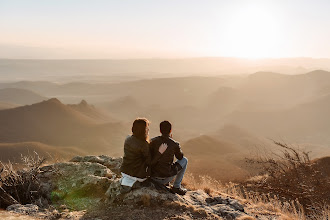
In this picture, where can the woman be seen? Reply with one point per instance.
(137, 158)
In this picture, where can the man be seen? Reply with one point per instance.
(164, 170)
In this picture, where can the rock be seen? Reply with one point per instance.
(227, 201)
(236, 205)
(77, 185)
(91, 181)
(136, 196)
(27, 209)
(226, 211)
(112, 163)
(222, 206)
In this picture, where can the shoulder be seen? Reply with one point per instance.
(133, 141)
(174, 141)
(129, 138)
(155, 139)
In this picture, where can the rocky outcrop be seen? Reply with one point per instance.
(112, 163)
(89, 182)
(78, 185)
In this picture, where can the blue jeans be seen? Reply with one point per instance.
(178, 177)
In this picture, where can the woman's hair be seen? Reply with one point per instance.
(140, 128)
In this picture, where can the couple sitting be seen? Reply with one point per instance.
(155, 159)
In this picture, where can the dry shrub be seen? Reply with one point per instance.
(290, 175)
(23, 184)
(290, 158)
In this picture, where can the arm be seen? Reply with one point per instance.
(178, 152)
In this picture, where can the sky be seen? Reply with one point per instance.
(164, 28)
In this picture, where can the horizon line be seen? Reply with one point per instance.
(174, 58)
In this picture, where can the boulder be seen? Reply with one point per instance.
(75, 184)
(112, 163)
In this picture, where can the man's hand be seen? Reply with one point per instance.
(162, 148)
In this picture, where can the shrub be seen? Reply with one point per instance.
(22, 184)
(290, 175)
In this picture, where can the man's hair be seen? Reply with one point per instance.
(139, 128)
(165, 127)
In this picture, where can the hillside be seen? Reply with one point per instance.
(302, 123)
(222, 154)
(51, 122)
(90, 111)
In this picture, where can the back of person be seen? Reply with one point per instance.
(165, 167)
(163, 170)
(135, 157)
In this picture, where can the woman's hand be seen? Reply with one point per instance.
(162, 148)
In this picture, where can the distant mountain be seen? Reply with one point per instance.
(56, 124)
(305, 122)
(222, 154)
(46, 68)
(40, 87)
(90, 111)
(209, 145)
(20, 96)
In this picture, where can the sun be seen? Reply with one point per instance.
(252, 32)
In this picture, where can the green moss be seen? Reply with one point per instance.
(57, 195)
(74, 199)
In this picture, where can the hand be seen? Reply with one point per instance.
(162, 148)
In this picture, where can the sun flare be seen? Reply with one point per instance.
(252, 33)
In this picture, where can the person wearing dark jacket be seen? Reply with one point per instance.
(163, 170)
(137, 159)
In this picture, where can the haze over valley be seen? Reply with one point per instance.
(228, 116)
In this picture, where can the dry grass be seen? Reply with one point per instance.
(291, 175)
(256, 203)
(206, 183)
(265, 204)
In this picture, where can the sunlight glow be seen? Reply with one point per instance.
(252, 33)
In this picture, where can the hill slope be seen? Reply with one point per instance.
(54, 123)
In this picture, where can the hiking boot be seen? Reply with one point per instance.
(180, 191)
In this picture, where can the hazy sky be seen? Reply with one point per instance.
(164, 28)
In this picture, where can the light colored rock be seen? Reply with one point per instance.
(87, 181)
(112, 163)
(76, 184)
(27, 209)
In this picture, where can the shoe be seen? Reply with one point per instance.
(180, 191)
